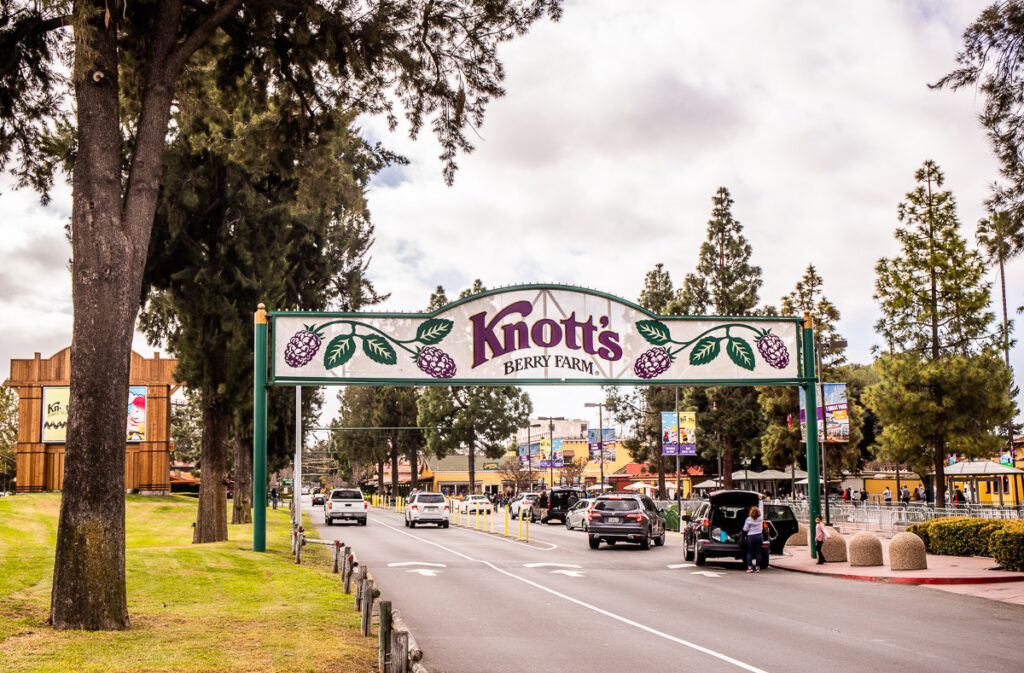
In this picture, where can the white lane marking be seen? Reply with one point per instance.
(416, 563)
(718, 655)
(426, 572)
(680, 565)
(570, 573)
(555, 565)
(706, 573)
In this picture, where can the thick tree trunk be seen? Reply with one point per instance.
(661, 477)
(727, 465)
(89, 565)
(414, 469)
(241, 511)
(394, 463)
(212, 519)
(940, 473)
(380, 476)
(1006, 358)
(472, 466)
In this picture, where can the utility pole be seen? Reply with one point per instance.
(529, 452)
(551, 446)
(600, 436)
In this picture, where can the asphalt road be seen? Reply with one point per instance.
(477, 602)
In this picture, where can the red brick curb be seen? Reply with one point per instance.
(908, 580)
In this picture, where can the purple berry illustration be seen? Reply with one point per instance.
(773, 351)
(303, 345)
(436, 362)
(652, 362)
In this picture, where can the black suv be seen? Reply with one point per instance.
(625, 518)
(782, 524)
(714, 529)
(554, 503)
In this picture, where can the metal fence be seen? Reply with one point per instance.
(899, 516)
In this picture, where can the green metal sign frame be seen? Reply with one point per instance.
(659, 331)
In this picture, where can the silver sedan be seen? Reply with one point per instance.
(576, 517)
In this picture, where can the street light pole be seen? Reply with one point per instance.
(551, 445)
(600, 436)
(529, 452)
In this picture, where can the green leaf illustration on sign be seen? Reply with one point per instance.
(653, 331)
(433, 331)
(339, 351)
(379, 350)
(705, 351)
(740, 352)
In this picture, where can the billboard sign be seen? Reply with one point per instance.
(56, 400)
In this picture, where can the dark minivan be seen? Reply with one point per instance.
(714, 529)
(554, 503)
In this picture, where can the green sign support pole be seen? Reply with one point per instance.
(259, 431)
(811, 414)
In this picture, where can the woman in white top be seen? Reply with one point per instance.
(754, 528)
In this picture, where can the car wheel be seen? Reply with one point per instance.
(764, 559)
(330, 522)
(362, 522)
(699, 558)
(585, 527)
(567, 526)
(645, 544)
(660, 540)
(412, 524)
(595, 542)
(444, 525)
(687, 553)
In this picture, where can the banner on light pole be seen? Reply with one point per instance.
(679, 440)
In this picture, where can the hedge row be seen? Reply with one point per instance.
(964, 536)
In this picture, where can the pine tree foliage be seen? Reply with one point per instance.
(933, 296)
(356, 451)
(933, 393)
(8, 435)
(990, 61)
(809, 296)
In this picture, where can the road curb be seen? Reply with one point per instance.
(907, 580)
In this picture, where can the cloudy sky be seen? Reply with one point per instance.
(619, 124)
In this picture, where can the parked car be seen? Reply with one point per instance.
(305, 490)
(554, 503)
(576, 517)
(521, 501)
(345, 503)
(782, 524)
(427, 507)
(625, 518)
(714, 529)
(476, 502)
(319, 497)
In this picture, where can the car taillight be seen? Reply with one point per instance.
(639, 516)
(764, 525)
(413, 507)
(590, 517)
(330, 505)
(366, 505)
(446, 508)
(705, 522)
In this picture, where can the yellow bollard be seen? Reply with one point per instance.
(528, 529)
(506, 524)
(520, 525)
(477, 517)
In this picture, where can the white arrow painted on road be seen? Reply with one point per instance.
(426, 572)
(554, 565)
(706, 573)
(680, 565)
(570, 573)
(416, 563)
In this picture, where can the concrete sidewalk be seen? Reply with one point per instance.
(975, 575)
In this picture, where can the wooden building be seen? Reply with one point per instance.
(39, 451)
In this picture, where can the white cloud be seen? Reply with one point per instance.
(619, 124)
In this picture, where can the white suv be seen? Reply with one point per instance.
(345, 503)
(477, 502)
(426, 507)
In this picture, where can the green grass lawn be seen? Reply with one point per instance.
(212, 607)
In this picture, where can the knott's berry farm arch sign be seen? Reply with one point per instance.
(532, 335)
(525, 335)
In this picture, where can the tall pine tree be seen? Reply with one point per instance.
(729, 418)
(942, 389)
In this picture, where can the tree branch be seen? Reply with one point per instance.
(177, 59)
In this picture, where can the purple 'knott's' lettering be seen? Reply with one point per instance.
(484, 336)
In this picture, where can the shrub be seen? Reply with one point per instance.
(1007, 545)
(961, 536)
(921, 529)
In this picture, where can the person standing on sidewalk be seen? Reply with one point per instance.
(819, 538)
(863, 496)
(887, 496)
(754, 529)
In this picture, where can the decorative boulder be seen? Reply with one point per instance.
(865, 550)
(834, 548)
(907, 552)
(799, 538)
